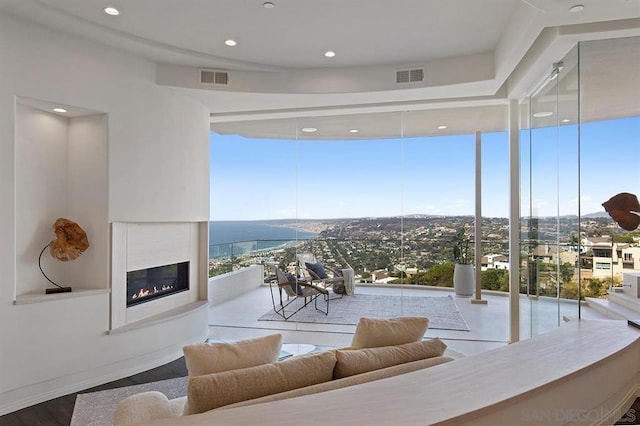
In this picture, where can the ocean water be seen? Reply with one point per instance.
(250, 236)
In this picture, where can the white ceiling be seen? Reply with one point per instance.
(292, 35)
(296, 33)
(476, 54)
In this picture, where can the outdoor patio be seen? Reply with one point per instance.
(488, 323)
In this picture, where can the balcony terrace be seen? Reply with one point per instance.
(237, 318)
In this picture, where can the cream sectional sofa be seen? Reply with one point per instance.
(229, 375)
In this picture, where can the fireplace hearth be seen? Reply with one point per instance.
(153, 283)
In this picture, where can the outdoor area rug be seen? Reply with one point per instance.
(442, 311)
(97, 408)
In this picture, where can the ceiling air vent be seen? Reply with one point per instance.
(410, 76)
(214, 77)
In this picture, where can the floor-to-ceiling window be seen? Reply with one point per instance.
(371, 191)
(609, 158)
(388, 203)
(550, 154)
(579, 146)
(495, 212)
(251, 183)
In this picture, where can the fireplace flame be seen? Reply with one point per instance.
(144, 292)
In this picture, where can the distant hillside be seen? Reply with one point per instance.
(596, 215)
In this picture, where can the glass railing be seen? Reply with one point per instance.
(422, 262)
(228, 257)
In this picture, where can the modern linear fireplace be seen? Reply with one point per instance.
(153, 283)
(158, 263)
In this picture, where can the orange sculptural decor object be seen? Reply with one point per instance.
(71, 240)
(623, 208)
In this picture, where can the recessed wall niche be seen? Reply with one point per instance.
(60, 171)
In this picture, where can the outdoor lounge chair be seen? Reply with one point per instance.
(301, 260)
(317, 273)
(299, 292)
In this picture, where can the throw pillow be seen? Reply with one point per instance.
(206, 358)
(375, 332)
(351, 362)
(297, 288)
(141, 407)
(318, 269)
(211, 391)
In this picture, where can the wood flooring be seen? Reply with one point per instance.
(59, 411)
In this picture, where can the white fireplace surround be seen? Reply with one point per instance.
(136, 246)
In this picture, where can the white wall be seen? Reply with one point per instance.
(41, 156)
(157, 171)
(87, 197)
(233, 284)
(61, 172)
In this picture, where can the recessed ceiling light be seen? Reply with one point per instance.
(329, 53)
(60, 110)
(441, 127)
(566, 120)
(543, 114)
(309, 129)
(577, 8)
(111, 11)
(353, 131)
(230, 42)
(268, 5)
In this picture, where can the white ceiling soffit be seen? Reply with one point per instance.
(382, 125)
(71, 111)
(609, 88)
(605, 62)
(555, 42)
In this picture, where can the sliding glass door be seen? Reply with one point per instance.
(550, 191)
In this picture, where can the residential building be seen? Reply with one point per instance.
(611, 260)
(495, 261)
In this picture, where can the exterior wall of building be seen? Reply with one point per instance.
(623, 259)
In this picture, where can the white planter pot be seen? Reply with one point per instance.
(463, 280)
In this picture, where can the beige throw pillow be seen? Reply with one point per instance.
(351, 362)
(211, 391)
(207, 358)
(376, 332)
(142, 407)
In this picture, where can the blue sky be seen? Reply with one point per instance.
(275, 179)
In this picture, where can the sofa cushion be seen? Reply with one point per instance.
(351, 362)
(376, 332)
(207, 358)
(347, 381)
(211, 391)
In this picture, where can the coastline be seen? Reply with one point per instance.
(228, 238)
(310, 226)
